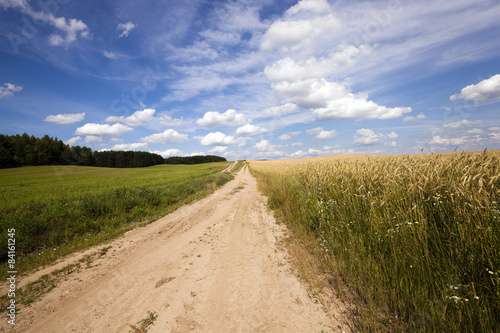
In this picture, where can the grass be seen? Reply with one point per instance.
(144, 323)
(56, 210)
(416, 239)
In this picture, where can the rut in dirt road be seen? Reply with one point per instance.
(211, 266)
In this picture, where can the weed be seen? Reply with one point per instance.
(144, 323)
(163, 281)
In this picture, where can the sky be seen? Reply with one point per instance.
(256, 79)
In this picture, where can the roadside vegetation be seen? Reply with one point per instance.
(56, 210)
(415, 239)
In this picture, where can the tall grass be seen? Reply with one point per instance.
(416, 238)
(57, 210)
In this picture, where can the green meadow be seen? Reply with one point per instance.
(56, 210)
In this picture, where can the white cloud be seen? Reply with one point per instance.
(138, 118)
(290, 34)
(418, 117)
(129, 146)
(102, 129)
(297, 144)
(70, 28)
(169, 121)
(126, 28)
(462, 123)
(288, 136)
(324, 135)
(228, 118)
(72, 141)
(280, 110)
(308, 153)
(169, 152)
(443, 141)
(366, 136)
(392, 135)
(314, 6)
(65, 118)
(249, 129)
(495, 136)
(320, 134)
(475, 131)
(265, 145)
(94, 139)
(168, 136)
(218, 150)
(9, 89)
(494, 129)
(485, 90)
(288, 69)
(110, 55)
(221, 139)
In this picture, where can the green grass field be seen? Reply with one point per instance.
(56, 210)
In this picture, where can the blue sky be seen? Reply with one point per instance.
(253, 79)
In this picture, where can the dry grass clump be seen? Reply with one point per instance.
(418, 237)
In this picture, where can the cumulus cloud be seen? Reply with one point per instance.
(218, 150)
(320, 134)
(169, 152)
(249, 129)
(94, 139)
(168, 136)
(221, 139)
(9, 89)
(288, 69)
(125, 28)
(72, 141)
(229, 118)
(138, 118)
(70, 28)
(169, 121)
(265, 145)
(308, 153)
(129, 146)
(367, 137)
(288, 136)
(292, 34)
(65, 118)
(475, 131)
(314, 6)
(333, 100)
(100, 130)
(280, 110)
(462, 123)
(418, 117)
(444, 141)
(485, 90)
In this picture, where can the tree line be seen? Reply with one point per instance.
(19, 150)
(194, 159)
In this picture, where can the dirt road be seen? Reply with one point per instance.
(211, 266)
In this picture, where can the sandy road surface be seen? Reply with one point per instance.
(211, 266)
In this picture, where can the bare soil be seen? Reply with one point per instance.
(211, 266)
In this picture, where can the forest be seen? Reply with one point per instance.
(22, 150)
(194, 159)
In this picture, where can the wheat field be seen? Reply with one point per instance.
(416, 238)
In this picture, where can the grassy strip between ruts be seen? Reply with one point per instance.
(415, 238)
(58, 210)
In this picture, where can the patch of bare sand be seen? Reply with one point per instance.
(211, 266)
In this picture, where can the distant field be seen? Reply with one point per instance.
(416, 239)
(69, 207)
